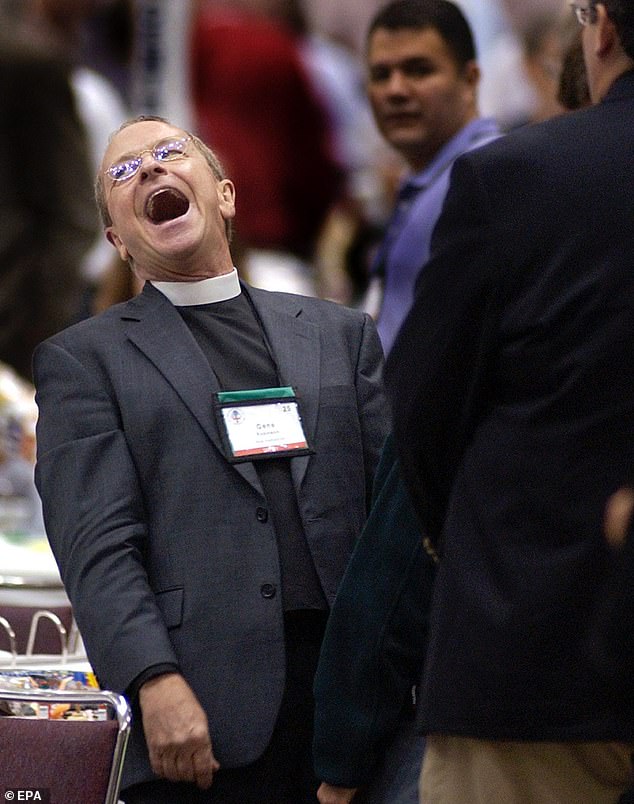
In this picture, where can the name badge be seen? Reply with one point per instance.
(261, 423)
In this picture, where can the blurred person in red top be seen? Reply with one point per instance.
(255, 103)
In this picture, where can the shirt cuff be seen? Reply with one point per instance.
(146, 675)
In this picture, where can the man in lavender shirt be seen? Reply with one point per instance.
(422, 84)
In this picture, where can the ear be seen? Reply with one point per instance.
(227, 194)
(114, 238)
(471, 80)
(471, 73)
(606, 36)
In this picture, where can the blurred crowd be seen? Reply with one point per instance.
(278, 90)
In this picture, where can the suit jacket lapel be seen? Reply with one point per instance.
(155, 327)
(295, 345)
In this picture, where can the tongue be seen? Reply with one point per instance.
(167, 204)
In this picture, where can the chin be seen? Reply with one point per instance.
(406, 142)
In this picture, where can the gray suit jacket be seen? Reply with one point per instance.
(164, 546)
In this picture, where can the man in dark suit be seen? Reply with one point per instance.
(205, 460)
(512, 384)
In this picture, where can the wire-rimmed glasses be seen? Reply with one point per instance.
(164, 150)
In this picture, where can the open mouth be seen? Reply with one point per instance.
(166, 205)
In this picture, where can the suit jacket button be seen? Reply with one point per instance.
(262, 515)
(268, 590)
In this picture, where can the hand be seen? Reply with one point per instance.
(176, 731)
(618, 514)
(329, 794)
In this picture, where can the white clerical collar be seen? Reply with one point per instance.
(203, 291)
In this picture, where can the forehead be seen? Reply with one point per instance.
(137, 137)
(386, 45)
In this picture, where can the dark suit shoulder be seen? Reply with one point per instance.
(317, 310)
(560, 140)
(97, 327)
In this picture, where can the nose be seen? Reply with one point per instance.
(396, 83)
(149, 165)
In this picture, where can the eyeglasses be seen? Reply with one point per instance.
(585, 14)
(164, 151)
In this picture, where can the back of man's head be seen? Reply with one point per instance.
(441, 15)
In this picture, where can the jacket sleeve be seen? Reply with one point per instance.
(94, 517)
(439, 374)
(374, 645)
(609, 643)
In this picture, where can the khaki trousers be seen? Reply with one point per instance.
(461, 770)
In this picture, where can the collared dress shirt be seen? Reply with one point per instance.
(405, 246)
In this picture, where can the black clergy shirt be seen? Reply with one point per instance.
(231, 337)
